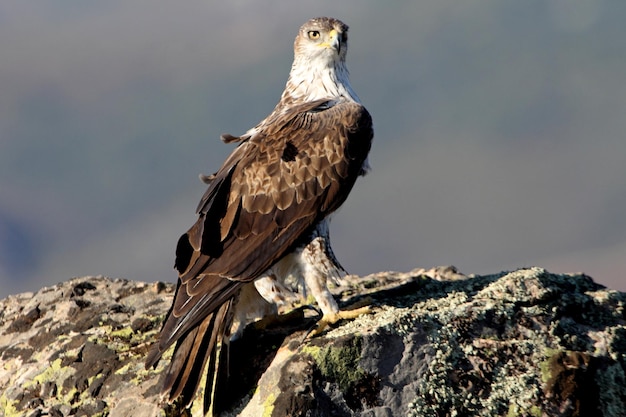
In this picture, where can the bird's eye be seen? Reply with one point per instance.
(314, 34)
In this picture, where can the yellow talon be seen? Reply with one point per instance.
(334, 318)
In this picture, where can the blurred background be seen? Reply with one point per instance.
(500, 131)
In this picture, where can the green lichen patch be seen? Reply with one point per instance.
(339, 363)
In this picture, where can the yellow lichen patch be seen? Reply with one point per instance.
(123, 333)
(535, 411)
(515, 411)
(49, 374)
(124, 369)
(268, 405)
(137, 369)
(72, 396)
(8, 407)
(12, 365)
(96, 334)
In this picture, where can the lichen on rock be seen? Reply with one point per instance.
(82, 352)
(477, 346)
(524, 343)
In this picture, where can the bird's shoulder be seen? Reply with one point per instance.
(314, 141)
(285, 119)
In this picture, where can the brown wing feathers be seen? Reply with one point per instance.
(274, 188)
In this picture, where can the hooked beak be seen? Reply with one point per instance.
(334, 41)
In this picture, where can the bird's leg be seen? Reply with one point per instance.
(271, 291)
(331, 314)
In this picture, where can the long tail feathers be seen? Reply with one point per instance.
(201, 344)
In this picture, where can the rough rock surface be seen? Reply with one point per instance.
(524, 343)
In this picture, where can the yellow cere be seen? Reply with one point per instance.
(332, 35)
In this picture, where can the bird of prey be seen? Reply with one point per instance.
(263, 221)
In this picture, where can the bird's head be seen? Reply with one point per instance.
(322, 39)
(319, 65)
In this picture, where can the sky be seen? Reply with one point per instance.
(499, 131)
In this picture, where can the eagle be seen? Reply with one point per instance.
(263, 223)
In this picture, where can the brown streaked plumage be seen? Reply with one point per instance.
(264, 216)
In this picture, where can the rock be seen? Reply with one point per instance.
(76, 349)
(524, 343)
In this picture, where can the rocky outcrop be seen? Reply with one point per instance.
(524, 343)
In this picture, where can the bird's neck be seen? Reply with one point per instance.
(309, 81)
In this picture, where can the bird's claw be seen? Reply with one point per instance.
(334, 318)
